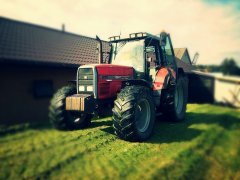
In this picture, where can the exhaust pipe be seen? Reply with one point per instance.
(99, 49)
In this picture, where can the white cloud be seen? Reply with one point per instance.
(213, 31)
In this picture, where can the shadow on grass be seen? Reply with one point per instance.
(16, 128)
(164, 131)
(167, 132)
(97, 123)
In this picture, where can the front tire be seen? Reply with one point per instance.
(134, 113)
(66, 120)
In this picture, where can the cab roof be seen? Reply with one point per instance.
(133, 37)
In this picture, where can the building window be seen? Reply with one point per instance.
(43, 88)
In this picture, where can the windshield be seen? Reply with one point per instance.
(129, 54)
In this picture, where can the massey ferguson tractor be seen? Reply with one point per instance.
(140, 81)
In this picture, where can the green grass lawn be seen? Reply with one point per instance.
(206, 145)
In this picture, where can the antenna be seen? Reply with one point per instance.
(195, 58)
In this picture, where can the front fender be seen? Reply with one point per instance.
(139, 82)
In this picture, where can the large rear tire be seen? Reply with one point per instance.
(66, 120)
(134, 113)
(177, 108)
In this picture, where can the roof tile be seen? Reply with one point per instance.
(21, 41)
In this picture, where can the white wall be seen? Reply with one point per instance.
(227, 90)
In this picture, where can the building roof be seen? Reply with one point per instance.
(22, 42)
(179, 53)
(181, 62)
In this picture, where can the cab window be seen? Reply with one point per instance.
(168, 53)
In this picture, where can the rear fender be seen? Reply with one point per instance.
(161, 82)
(162, 79)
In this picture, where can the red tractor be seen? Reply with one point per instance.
(141, 81)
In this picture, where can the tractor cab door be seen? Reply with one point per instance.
(168, 56)
(152, 55)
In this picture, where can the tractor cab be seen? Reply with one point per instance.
(144, 52)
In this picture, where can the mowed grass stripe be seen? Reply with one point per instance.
(223, 161)
(58, 153)
(186, 161)
(123, 164)
(76, 156)
(44, 140)
(62, 157)
(110, 162)
(176, 150)
(67, 143)
(121, 161)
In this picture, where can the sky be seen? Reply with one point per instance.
(209, 27)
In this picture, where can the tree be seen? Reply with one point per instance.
(229, 67)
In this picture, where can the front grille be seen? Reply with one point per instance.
(85, 80)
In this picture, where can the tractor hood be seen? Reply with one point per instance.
(107, 78)
(112, 72)
(117, 72)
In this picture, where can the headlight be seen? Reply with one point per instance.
(81, 88)
(89, 88)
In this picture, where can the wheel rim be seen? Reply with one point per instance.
(142, 116)
(178, 99)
